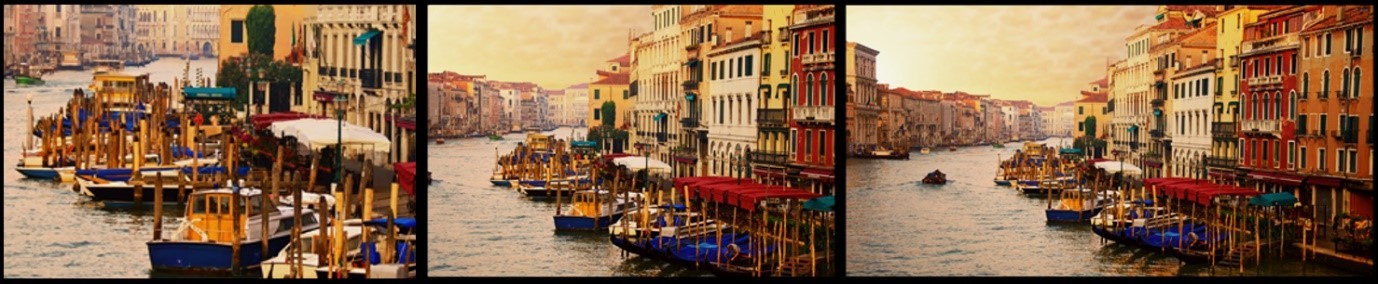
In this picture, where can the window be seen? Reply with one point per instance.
(1344, 88)
(812, 40)
(1294, 64)
(596, 93)
(1081, 110)
(1268, 66)
(822, 145)
(1325, 85)
(1357, 81)
(1327, 43)
(1264, 161)
(1340, 160)
(741, 67)
(597, 114)
(1305, 84)
(795, 45)
(1322, 126)
(237, 31)
(1277, 151)
(1301, 123)
(1349, 35)
(1320, 159)
(1292, 106)
(808, 89)
(808, 145)
(765, 65)
(1359, 41)
(1302, 158)
(825, 41)
(626, 94)
(1353, 161)
(1279, 60)
(719, 105)
(823, 89)
(1291, 154)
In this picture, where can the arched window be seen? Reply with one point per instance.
(1357, 81)
(1292, 106)
(1305, 83)
(1277, 105)
(1253, 106)
(1344, 88)
(794, 85)
(823, 89)
(809, 90)
(1325, 84)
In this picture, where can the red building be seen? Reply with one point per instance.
(1268, 61)
(812, 78)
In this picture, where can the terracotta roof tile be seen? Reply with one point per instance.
(624, 60)
(1092, 97)
(614, 79)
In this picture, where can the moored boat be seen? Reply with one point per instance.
(595, 209)
(203, 241)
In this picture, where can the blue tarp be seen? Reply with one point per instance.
(1274, 199)
(405, 223)
(824, 204)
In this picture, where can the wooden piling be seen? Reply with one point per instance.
(158, 208)
(368, 214)
(234, 220)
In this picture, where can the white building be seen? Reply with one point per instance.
(576, 110)
(62, 24)
(659, 59)
(1189, 123)
(364, 53)
(731, 104)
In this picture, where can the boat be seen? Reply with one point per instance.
(439, 141)
(27, 75)
(595, 209)
(952, 148)
(71, 60)
(935, 177)
(998, 145)
(278, 267)
(1075, 206)
(494, 137)
(203, 241)
(100, 66)
(123, 192)
(879, 152)
(924, 151)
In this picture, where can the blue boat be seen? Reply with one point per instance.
(593, 210)
(1075, 206)
(1002, 182)
(42, 173)
(203, 241)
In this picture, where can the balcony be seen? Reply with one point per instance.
(1156, 134)
(1156, 102)
(765, 36)
(817, 58)
(765, 117)
(1159, 75)
(1221, 162)
(823, 114)
(1234, 61)
(692, 46)
(1350, 137)
(690, 85)
(688, 153)
(1224, 130)
(1268, 126)
(370, 79)
(769, 158)
(689, 122)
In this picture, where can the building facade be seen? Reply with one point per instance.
(863, 105)
(1334, 112)
(773, 113)
(812, 69)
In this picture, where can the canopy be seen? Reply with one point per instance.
(318, 133)
(1274, 199)
(362, 39)
(1117, 167)
(583, 144)
(639, 163)
(746, 194)
(406, 176)
(824, 204)
(1070, 151)
(209, 93)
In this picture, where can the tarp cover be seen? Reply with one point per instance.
(635, 163)
(824, 204)
(406, 176)
(1274, 199)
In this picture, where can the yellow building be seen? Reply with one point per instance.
(234, 39)
(612, 85)
(772, 136)
(1229, 37)
(1092, 104)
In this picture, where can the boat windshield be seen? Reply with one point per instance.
(219, 204)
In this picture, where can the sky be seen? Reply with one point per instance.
(552, 46)
(1043, 54)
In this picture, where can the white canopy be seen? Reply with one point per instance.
(639, 163)
(1118, 166)
(318, 133)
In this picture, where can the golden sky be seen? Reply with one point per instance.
(1044, 54)
(553, 46)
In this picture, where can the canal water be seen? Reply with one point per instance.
(53, 232)
(477, 229)
(897, 226)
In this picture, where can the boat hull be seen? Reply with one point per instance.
(1002, 182)
(125, 193)
(205, 256)
(501, 182)
(39, 173)
(581, 223)
(1071, 215)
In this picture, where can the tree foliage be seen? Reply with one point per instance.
(1090, 126)
(237, 72)
(261, 28)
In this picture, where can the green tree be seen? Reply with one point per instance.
(260, 23)
(609, 114)
(1090, 126)
(237, 72)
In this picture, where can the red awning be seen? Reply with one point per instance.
(1325, 181)
(262, 121)
(1279, 178)
(1204, 197)
(609, 157)
(818, 173)
(768, 173)
(683, 181)
(686, 160)
(1165, 180)
(406, 176)
(748, 201)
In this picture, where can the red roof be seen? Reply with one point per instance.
(614, 79)
(1172, 23)
(1090, 97)
(1351, 14)
(1208, 10)
(624, 60)
(1103, 82)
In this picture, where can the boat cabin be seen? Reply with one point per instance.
(118, 90)
(538, 142)
(210, 211)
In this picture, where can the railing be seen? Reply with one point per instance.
(686, 152)
(691, 85)
(1260, 125)
(691, 46)
(1156, 133)
(814, 113)
(1156, 102)
(770, 116)
(817, 58)
(1224, 130)
(1221, 162)
(765, 36)
(769, 158)
(1234, 60)
(689, 122)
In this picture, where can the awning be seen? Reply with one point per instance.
(767, 173)
(824, 204)
(406, 176)
(262, 121)
(690, 96)
(635, 163)
(209, 93)
(817, 173)
(660, 116)
(1279, 178)
(1274, 199)
(1325, 181)
(362, 39)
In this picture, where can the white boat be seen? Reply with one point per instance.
(278, 267)
(924, 150)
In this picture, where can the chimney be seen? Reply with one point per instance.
(1339, 14)
(748, 29)
(729, 35)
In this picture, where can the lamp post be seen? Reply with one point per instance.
(29, 137)
(340, 99)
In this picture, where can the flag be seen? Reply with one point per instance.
(406, 17)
